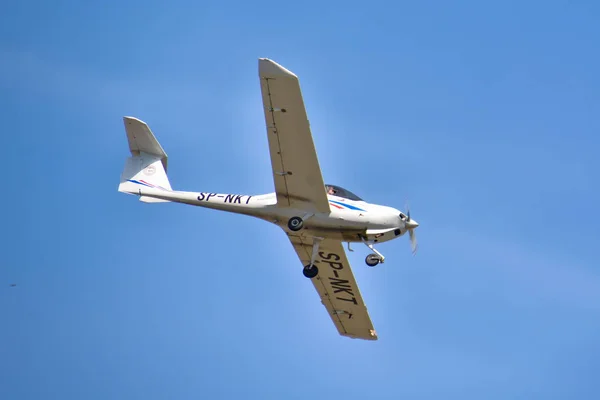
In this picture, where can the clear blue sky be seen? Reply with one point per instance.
(484, 116)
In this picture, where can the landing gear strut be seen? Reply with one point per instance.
(311, 270)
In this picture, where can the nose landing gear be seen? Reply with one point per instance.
(374, 258)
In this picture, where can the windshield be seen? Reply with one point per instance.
(341, 192)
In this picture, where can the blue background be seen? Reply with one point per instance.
(484, 115)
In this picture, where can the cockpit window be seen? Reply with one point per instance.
(341, 192)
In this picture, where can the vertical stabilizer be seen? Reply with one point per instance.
(147, 166)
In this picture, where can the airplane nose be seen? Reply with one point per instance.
(412, 224)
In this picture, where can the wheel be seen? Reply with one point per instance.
(310, 272)
(372, 260)
(295, 223)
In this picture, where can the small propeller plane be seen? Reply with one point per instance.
(316, 217)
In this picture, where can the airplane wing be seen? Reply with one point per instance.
(296, 170)
(337, 287)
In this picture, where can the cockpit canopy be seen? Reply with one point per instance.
(341, 192)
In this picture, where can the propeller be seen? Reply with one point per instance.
(410, 226)
(413, 241)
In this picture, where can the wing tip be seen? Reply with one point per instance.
(131, 119)
(372, 335)
(269, 68)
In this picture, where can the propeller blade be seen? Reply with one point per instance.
(413, 241)
(413, 238)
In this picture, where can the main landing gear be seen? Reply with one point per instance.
(310, 271)
(374, 258)
(297, 223)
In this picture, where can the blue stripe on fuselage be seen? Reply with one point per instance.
(347, 205)
(139, 183)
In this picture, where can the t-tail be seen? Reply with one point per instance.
(147, 166)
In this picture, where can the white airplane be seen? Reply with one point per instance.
(316, 217)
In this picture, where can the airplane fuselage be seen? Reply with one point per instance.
(351, 221)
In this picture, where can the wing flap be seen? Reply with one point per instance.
(337, 287)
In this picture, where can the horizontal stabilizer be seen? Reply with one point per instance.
(147, 199)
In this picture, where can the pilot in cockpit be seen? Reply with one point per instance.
(331, 190)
